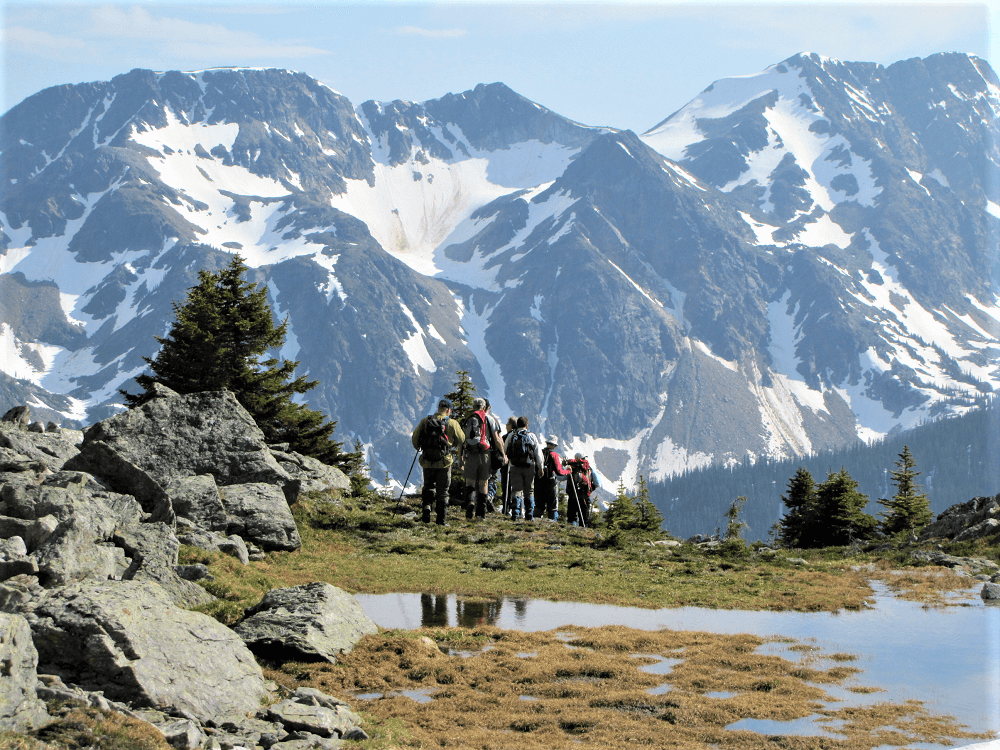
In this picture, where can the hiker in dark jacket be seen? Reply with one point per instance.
(505, 469)
(584, 482)
(437, 457)
(479, 438)
(547, 485)
(525, 456)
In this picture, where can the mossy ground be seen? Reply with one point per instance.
(376, 548)
(494, 688)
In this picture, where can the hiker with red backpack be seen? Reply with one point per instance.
(525, 456)
(547, 485)
(480, 436)
(437, 437)
(582, 483)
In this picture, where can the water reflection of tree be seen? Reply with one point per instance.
(433, 611)
(473, 614)
(520, 609)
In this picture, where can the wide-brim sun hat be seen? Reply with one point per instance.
(552, 440)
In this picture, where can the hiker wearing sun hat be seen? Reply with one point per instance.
(547, 485)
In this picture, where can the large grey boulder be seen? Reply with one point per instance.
(70, 520)
(48, 449)
(313, 474)
(313, 622)
(174, 436)
(153, 549)
(966, 521)
(21, 710)
(127, 639)
(259, 512)
(196, 498)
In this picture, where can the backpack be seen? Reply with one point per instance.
(581, 475)
(521, 451)
(433, 441)
(476, 433)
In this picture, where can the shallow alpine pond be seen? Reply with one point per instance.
(451, 672)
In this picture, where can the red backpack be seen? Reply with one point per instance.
(476, 433)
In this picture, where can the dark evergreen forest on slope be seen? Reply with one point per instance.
(958, 459)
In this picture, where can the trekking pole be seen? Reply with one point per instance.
(403, 489)
(579, 508)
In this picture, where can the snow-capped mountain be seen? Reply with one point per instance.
(792, 261)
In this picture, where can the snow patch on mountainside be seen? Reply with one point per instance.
(414, 345)
(474, 325)
(414, 208)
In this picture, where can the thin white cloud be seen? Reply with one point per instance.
(111, 32)
(432, 33)
(189, 39)
(24, 39)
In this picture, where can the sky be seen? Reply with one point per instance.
(623, 65)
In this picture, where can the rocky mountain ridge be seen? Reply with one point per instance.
(793, 261)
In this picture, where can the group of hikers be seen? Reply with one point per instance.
(529, 468)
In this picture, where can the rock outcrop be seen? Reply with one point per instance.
(90, 587)
(305, 623)
(21, 709)
(975, 519)
(130, 641)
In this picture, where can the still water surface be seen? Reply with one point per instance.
(948, 658)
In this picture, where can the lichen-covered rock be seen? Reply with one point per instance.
(316, 621)
(211, 541)
(174, 436)
(50, 449)
(260, 513)
(313, 475)
(21, 710)
(959, 520)
(309, 710)
(127, 639)
(153, 549)
(197, 499)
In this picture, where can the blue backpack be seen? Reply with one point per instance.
(521, 451)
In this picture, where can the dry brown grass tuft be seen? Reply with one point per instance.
(600, 686)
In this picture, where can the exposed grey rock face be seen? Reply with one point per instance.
(195, 434)
(196, 498)
(20, 708)
(312, 622)
(309, 710)
(260, 513)
(214, 542)
(127, 639)
(52, 450)
(313, 475)
(977, 518)
(153, 548)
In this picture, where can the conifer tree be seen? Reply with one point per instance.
(909, 509)
(461, 407)
(650, 517)
(622, 513)
(840, 518)
(462, 397)
(796, 527)
(218, 339)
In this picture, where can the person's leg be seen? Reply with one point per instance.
(427, 496)
(443, 480)
(528, 483)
